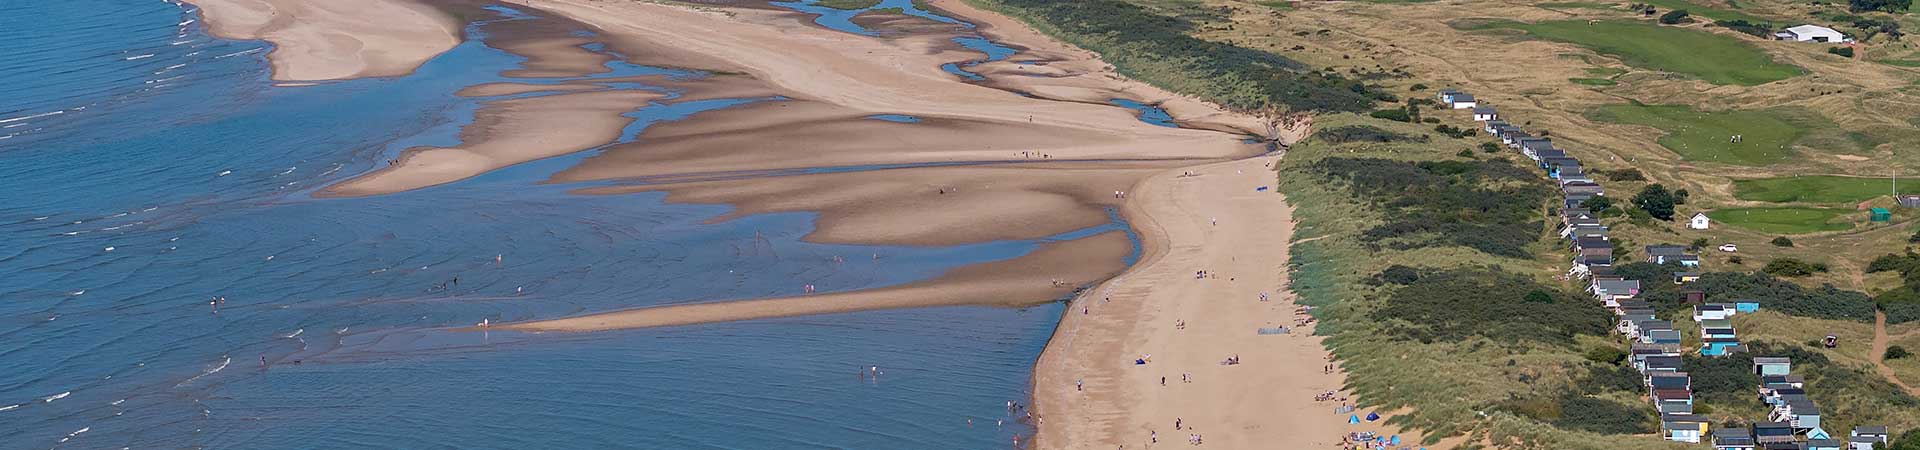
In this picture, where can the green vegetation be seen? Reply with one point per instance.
(1715, 58)
(1761, 30)
(1782, 220)
(1593, 81)
(1772, 293)
(1781, 241)
(1156, 47)
(1899, 62)
(1674, 17)
(1815, 189)
(1490, 206)
(1657, 201)
(1892, 6)
(1842, 51)
(1702, 10)
(1283, 5)
(1789, 267)
(1363, 133)
(849, 4)
(1456, 304)
(1766, 137)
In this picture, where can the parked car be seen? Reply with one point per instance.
(1729, 248)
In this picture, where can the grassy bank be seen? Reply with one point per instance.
(1715, 58)
(1766, 137)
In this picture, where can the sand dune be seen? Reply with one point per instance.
(1026, 280)
(336, 39)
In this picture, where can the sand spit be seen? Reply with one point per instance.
(1021, 281)
(336, 39)
(925, 205)
(505, 133)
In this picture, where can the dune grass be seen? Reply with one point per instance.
(1592, 81)
(1766, 137)
(1577, 5)
(1715, 58)
(1816, 189)
(1782, 220)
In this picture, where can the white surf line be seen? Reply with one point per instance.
(137, 57)
(34, 116)
(56, 397)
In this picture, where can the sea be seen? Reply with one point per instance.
(147, 169)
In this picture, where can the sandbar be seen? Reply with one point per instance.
(336, 39)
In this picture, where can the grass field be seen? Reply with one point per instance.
(1577, 5)
(1766, 137)
(1711, 57)
(1781, 220)
(1593, 81)
(1816, 189)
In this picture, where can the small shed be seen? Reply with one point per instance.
(1463, 101)
(1772, 366)
(1485, 113)
(1907, 201)
(1699, 221)
(1880, 215)
(1811, 33)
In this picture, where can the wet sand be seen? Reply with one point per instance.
(336, 39)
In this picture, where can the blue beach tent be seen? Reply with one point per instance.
(1353, 420)
(1373, 416)
(1394, 441)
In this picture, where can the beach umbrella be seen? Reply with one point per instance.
(1373, 416)
(1353, 420)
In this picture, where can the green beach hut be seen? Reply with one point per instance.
(1880, 215)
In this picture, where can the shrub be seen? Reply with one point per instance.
(1597, 203)
(1457, 304)
(1417, 87)
(1628, 174)
(1362, 133)
(1603, 416)
(1879, 5)
(1491, 206)
(1789, 267)
(1915, 239)
(1842, 51)
(1781, 241)
(1896, 352)
(1764, 30)
(1608, 355)
(1396, 114)
(1398, 274)
(1699, 244)
(1735, 260)
(1674, 17)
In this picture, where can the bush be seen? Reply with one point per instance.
(1417, 87)
(1699, 244)
(1735, 260)
(1398, 274)
(1764, 30)
(1362, 133)
(1608, 355)
(1491, 206)
(1396, 114)
(1628, 174)
(1456, 133)
(1825, 302)
(1915, 239)
(1781, 241)
(1674, 17)
(1656, 201)
(1489, 147)
(1842, 51)
(1603, 416)
(1597, 203)
(1789, 267)
(1879, 5)
(1896, 352)
(1458, 304)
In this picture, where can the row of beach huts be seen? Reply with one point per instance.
(1793, 422)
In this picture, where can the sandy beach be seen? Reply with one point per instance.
(336, 39)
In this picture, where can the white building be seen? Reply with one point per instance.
(1699, 221)
(1463, 101)
(1485, 114)
(1812, 33)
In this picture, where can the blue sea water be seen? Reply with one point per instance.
(146, 168)
(1149, 113)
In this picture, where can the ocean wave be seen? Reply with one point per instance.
(31, 116)
(135, 57)
(58, 396)
(9, 408)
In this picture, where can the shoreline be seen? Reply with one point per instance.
(336, 39)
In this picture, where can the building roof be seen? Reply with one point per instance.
(1666, 250)
(1813, 30)
(1483, 110)
(1771, 360)
(1870, 430)
(1462, 97)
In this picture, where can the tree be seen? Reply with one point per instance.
(1656, 201)
(1675, 16)
(1781, 241)
(1597, 204)
(1396, 114)
(1680, 196)
(1699, 244)
(1846, 52)
(1490, 147)
(1896, 352)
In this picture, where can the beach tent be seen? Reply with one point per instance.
(1353, 420)
(1394, 441)
(1373, 416)
(1139, 362)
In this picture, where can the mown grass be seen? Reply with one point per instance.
(848, 4)
(1782, 220)
(1766, 137)
(1816, 189)
(1715, 58)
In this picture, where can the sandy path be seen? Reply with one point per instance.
(1879, 351)
(336, 39)
(1264, 401)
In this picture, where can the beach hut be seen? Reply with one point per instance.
(1880, 215)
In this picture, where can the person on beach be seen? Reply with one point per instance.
(1079, 385)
